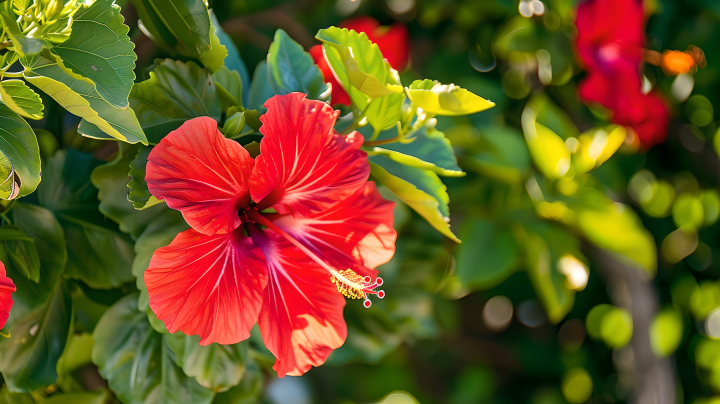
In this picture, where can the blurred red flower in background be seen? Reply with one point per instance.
(6, 288)
(610, 44)
(316, 232)
(393, 41)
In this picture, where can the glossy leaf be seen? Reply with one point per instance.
(139, 193)
(439, 99)
(233, 61)
(362, 71)
(112, 182)
(384, 112)
(291, 69)
(421, 189)
(175, 93)
(39, 224)
(20, 98)
(98, 253)
(19, 156)
(159, 233)
(489, 255)
(216, 367)
(29, 356)
(137, 361)
(596, 146)
(80, 98)
(22, 44)
(214, 59)
(430, 151)
(189, 23)
(229, 87)
(260, 88)
(100, 50)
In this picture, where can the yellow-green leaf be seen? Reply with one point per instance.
(547, 149)
(20, 98)
(439, 99)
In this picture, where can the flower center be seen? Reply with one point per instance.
(349, 283)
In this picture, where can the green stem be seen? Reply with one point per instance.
(11, 74)
(372, 143)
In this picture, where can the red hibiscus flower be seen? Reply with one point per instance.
(610, 44)
(278, 240)
(393, 41)
(6, 288)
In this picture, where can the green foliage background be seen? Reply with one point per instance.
(643, 224)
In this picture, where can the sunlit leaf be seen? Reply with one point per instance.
(547, 149)
(439, 99)
(19, 156)
(430, 151)
(358, 64)
(20, 98)
(233, 61)
(100, 50)
(22, 44)
(421, 189)
(503, 155)
(260, 88)
(666, 332)
(229, 87)
(81, 98)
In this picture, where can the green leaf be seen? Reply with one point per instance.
(22, 44)
(260, 88)
(19, 156)
(98, 253)
(234, 126)
(80, 98)
(291, 69)
(77, 353)
(361, 71)
(504, 156)
(29, 356)
(546, 244)
(100, 50)
(6, 397)
(216, 367)
(41, 225)
(214, 60)
(384, 112)
(112, 182)
(229, 87)
(21, 249)
(98, 397)
(489, 255)
(552, 116)
(247, 392)
(188, 21)
(153, 27)
(233, 61)
(430, 151)
(20, 98)
(548, 150)
(421, 189)
(139, 193)
(175, 93)
(137, 361)
(159, 233)
(439, 99)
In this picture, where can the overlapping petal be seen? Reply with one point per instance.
(202, 174)
(301, 319)
(339, 95)
(6, 288)
(357, 233)
(209, 286)
(304, 165)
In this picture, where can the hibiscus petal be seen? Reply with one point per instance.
(207, 285)
(202, 174)
(301, 319)
(304, 165)
(360, 229)
(6, 288)
(338, 96)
